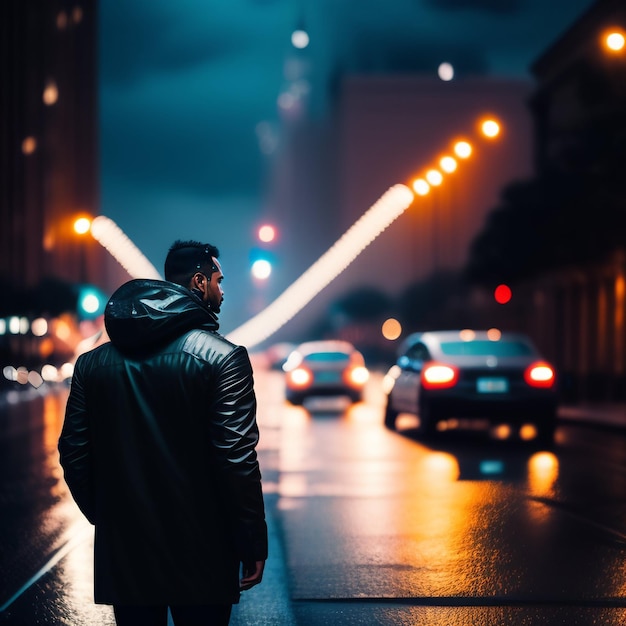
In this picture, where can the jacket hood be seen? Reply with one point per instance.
(143, 314)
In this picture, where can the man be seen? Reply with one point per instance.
(159, 450)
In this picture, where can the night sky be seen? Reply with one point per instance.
(190, 124)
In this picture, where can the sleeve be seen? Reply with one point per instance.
(75, 449)
(235, 436)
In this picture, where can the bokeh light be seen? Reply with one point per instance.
(299, 39)
(445, 71)
(267, 233)
(462, 149)
(490, 128)
(391, 329)
(434, 177)
(82, 225)
(421, 187)
(614, 41)
(502, 294)
(261, 269)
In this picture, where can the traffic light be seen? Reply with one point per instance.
(91, 302)
(502, 294)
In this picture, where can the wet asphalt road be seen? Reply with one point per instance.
(376, 527)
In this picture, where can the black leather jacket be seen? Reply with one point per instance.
(159, 451)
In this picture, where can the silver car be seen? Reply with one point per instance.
(325, 368)
(466, 375)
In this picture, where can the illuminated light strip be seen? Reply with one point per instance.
(373, 222)
(113, 238)
(341, 254)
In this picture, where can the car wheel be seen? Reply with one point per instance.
(428, 420)
(545, 428)
(390, 415)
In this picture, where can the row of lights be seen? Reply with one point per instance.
(448, 164)
(48, 374)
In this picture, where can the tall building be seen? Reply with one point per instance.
(49, 142)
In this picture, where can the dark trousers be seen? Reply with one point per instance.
(207, 615)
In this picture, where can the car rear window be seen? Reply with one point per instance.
(485, 348)
(327, 356)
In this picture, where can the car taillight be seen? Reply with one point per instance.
(299, 377)
(439, 376)
(539, 374)
(357, 376)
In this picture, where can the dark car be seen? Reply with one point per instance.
(469, 375)
(325, 368)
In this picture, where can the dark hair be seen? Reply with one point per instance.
(185, 258)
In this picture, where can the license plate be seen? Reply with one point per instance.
(327, 377)
(492, 385)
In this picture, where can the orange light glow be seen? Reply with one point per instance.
(421, 187)
(490, 128)
(462, 149)
(448, 164)
(494, 334)
(614, 40)
(50, 93)
(29, 145)
(300, 377)
(434, 177)
(82, 225)
(358, 376)
(391, 329)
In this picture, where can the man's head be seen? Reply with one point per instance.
(194, 265)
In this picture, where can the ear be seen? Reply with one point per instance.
(199, 281)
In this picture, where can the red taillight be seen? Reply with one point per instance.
(539, 374)
(439, 376)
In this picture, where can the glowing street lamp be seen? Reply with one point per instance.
(462, 149)
(448, 164)
(614, 40)
(82, 225)
(434, 177)
(421, 187)
(490, 128)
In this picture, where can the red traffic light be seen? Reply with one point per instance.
(502, 294)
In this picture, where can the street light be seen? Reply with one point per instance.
(614, 40)
(82, 225)
(462, 149)
(490, 128)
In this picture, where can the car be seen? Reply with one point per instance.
(465, 375)
(325, 368)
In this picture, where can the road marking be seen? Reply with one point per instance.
(79, 537)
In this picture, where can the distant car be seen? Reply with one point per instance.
(500, 377)
(325, 368)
